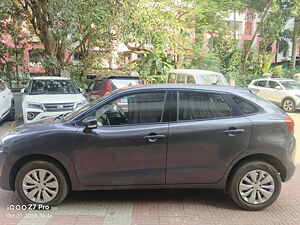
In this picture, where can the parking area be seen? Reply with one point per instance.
(155, 207)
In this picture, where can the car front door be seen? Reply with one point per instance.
(204, 138)
(129, 146)
(275, 95)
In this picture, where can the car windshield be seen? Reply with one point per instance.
(121, 83)
(290, 85)
(86, 107)
(211, 79)
(52, 87)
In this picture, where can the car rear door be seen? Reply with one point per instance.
(205, 136)
(129, 146)
(261, 87)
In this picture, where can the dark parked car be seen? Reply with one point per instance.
(103, 86)
(168, 136)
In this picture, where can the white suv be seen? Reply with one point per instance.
(7, 104)
(50, 97)
(282, 92)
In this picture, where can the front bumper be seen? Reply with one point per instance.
(4, 173)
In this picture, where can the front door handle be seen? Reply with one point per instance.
(234, 132)
(154, 138)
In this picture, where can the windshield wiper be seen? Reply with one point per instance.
(61, 116)
(216, 83)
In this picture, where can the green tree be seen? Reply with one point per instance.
(66, 25)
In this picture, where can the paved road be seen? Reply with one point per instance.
(6, 126)
(158, 207)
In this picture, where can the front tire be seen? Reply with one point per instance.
(254, 185)
(41, 182)
(12, 113)
(289, 105)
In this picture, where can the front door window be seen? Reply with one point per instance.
(133, 109)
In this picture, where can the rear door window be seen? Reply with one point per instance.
(246, 107)
(172, 78)
(98, 85)
(199, 106)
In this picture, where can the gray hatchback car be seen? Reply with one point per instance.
(164, 136)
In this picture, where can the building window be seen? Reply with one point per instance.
(248, 28)
(35, 57)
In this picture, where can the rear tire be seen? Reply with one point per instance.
(41, 182)
(254, 185)
(289, 105)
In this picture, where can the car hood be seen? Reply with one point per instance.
(54, 98)
(294, 92)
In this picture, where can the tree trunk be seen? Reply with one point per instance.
(264, 15)
(295, 42)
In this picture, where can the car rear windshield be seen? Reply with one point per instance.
(121, 83)
(52, 87)
(290, 85)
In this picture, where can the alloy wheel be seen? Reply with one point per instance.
(256, 187)
(40, 186)
(288, 105)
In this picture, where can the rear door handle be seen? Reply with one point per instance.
(233, 132)
(154, 138)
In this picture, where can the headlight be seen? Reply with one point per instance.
(80, 104)
(35, 105)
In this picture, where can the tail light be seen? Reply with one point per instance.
(290, 124)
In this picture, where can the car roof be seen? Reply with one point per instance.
(118, 77)
(193, 72)
(49, 78)
(187, 87)
(274, 79)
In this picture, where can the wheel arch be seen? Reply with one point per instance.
(276, 163)
(287, 97)
(22, 161)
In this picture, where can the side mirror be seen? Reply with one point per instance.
(90, 123)
(23, 91)
(80, 90)
(278, 88)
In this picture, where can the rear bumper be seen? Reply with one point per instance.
(290, 170)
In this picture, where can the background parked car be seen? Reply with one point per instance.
(203, 77)
(7, 104)
(169, 136)
(49, 97)
(103, 86)
(283, 92)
